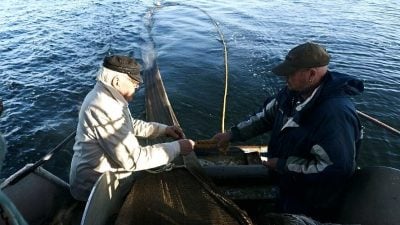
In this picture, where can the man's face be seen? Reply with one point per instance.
(128, 88)
(299, 80)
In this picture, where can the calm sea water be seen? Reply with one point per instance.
(50, 52)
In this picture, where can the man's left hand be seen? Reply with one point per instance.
(174, 132)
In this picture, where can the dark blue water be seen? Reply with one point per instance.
(51, 51)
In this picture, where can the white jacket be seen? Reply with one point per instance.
(106, 141)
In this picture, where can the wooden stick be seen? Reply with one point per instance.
(44, 158)
(380, 123)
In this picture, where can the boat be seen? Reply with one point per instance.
(220, 188)
(43, 198)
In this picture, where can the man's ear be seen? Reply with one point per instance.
(115, 81)
(313, 74)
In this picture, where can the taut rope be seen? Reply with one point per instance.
(221, 36)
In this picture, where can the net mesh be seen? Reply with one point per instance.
(180, 196)
(173, 197)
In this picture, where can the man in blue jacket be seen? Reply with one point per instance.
(315, 132)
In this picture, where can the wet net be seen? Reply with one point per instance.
(180, 196)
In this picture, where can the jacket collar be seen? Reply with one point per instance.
(113, 92)
(294, 121)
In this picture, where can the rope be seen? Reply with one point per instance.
(221, 36)
(110, 33)
(230, 206)
(166, 168)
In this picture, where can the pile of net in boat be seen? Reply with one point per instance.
(177, 197)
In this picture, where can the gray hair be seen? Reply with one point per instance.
(106, 75)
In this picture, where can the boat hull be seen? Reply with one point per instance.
(42, 198)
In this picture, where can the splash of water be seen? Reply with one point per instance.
(148, 55)
(147, 49)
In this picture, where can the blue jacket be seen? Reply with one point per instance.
(315, 139)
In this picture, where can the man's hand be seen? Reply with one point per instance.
(271, 163)
(187, 146)
(222, 140)
(174, 132)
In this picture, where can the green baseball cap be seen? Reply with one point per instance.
(307, 55)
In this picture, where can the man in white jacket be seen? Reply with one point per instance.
(106, 136)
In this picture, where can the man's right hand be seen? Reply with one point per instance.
(222, 139)
(186, 145)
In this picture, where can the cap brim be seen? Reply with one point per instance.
(284, 69)
(136, 78)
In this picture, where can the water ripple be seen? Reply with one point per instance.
(51, 51)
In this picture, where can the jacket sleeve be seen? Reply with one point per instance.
(148, 129)
(117, 139)
(332, 154)
(257, 124)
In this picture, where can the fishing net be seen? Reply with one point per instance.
(180, 196)
(174, 197)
